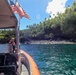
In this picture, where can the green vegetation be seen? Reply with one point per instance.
(62, 27)
(5, 35)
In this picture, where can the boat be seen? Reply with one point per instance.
(20, 63)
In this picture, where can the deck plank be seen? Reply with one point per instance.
(24, 70)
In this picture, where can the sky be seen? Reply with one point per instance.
(38, 10)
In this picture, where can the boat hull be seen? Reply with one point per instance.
(29, 63)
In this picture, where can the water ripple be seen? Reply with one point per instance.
(54, 59)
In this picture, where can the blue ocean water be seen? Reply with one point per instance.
(53, 59)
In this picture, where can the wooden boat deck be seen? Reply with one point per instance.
(24, 70)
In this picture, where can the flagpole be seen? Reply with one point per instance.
(17, 34)
(16, 1)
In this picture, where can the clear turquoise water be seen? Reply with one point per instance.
(59, 59)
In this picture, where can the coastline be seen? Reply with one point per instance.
(50, 42)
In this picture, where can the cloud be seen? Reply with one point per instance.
(56, 6)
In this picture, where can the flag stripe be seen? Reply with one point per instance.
(19, 10)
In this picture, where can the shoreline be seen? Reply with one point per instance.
(50, 42)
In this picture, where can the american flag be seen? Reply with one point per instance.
(19, 10)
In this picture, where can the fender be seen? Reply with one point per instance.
(29, 62)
